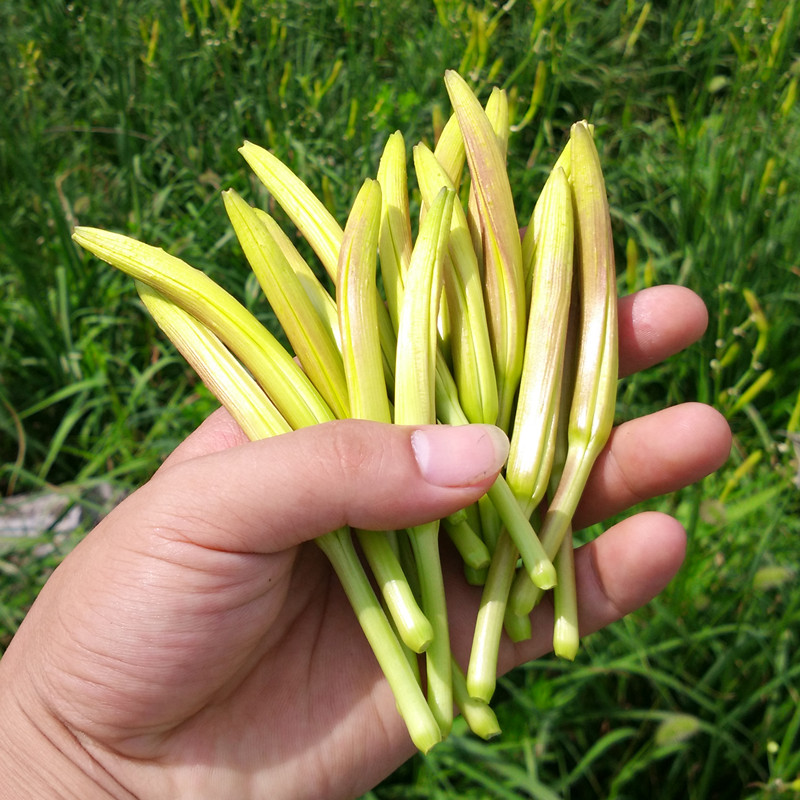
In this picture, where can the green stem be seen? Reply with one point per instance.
(479, 716)
(411, 703)
(425, 543)
(473, 516)
(557, 523)
(470, 546)
(558, 519)
(482, 669)
(413, 627)
(566, 637)
(523, 596)
(537, 562)
(490, 522)
(475, 577)
(517, 626)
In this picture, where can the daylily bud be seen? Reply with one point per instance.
(596, 371)
(361, 351)
(316, 225)
(531, 454)
(224, 376)
(395, 236)
(356, 299)
(305, 210)
(415, 372)
(319, 296)
(270, 364)
(502, 251)
(313, 343)
(473, 367)
(449, 151)
(415, 382)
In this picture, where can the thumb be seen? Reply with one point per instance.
(269, 495)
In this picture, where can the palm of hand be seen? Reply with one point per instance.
(213, 654)
(266, 672)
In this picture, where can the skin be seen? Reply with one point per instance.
(196, 645)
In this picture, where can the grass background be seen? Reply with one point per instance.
(128, 116)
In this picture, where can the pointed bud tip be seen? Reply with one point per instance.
(585, 125)
(250, 148)
(453, 77)
(81, 233)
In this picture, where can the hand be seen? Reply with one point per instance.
(195, 645)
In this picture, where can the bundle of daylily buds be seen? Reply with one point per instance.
(474, 324)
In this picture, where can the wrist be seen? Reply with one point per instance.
(40, 759)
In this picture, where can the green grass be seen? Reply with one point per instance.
(131, 121)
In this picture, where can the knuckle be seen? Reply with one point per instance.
(353, 449)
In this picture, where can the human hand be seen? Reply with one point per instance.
(195, 645)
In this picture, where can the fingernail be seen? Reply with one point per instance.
(459, 455)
